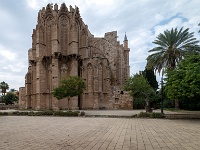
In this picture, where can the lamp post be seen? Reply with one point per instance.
(162, 94)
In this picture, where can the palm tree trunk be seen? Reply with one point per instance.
(176, 104)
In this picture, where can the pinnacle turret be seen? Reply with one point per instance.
(125, 37)
(125, 42)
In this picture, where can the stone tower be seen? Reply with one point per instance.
(63, 46)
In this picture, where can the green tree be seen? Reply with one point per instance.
(151, 78)
(140, 89)
(184, 81)
(172, 46)
(4, 86)
(70, 87)
(10, 98)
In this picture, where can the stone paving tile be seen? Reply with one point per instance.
(70, 133)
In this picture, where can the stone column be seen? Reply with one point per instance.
(54, 41)
(74, 72)
(39, 69)
(55, 80)
(33, 96)
(73, 37)
(55, 70)
(28, 90)
(40, 85)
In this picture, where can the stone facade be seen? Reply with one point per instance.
(63, 46)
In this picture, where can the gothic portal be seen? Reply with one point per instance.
(63, 46)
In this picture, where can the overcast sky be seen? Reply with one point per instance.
(142, 20)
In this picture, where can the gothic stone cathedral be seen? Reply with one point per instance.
(63, 46)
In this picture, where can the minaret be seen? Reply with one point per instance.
(125, 41)
(126, 57)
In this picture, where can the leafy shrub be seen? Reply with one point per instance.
(39, 113)
(31, 113)
(150, 115)
(23, 113)
(134, 116)
(15, 113)
(143, 115)
(67, 113)
(5, 113)
(75, 113)
(59, 113)
(47, 113)
(156, 115)
(72, 113)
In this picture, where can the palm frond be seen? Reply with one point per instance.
(171, 47)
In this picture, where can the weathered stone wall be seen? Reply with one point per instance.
(22, 98)
(121, 100)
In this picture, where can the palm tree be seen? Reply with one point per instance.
(3, 86)
(171, 47)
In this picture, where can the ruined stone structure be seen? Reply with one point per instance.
(63, 46)
(22, 97)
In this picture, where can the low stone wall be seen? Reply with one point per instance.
(4, 107)
(121, 101)
(182, 116)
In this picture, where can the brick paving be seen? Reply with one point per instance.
(72, 133)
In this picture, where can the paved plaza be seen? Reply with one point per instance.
(77, 133)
